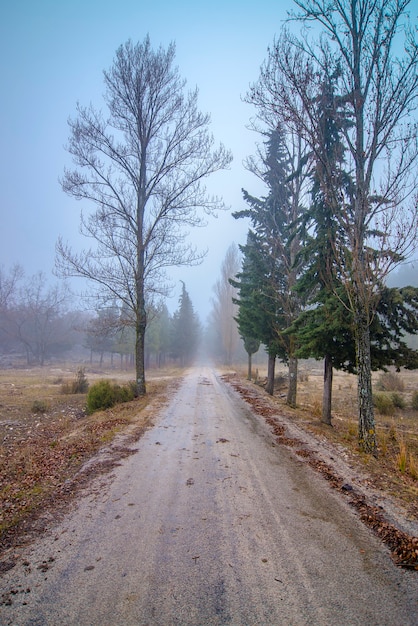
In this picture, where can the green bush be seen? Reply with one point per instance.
(414, 402)
(383, 403)
(398, 400)
(104, 395)
(124, 393)
(39, 406)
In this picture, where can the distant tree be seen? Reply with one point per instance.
(9, 290)
(224, 308)
(36, 321)
(157, 338)
(185, 330)
(101, 332)
(142, 166)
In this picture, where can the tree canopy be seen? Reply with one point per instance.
(139, 170)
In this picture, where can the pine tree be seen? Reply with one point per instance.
(258, 315)
(185, 330)
(277, 244)
(323, 329)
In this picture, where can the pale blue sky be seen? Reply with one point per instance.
(53, 54)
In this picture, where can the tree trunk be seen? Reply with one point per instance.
(270, 374)
(327, 394)
(141, 324)
(249, 376)
(293, 382)
(366, 427)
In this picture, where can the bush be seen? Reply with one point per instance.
(398, 400)
(414, 402)
(39, 406)
(389, 381)
(104, 395)
(383, 403)
(79, 385)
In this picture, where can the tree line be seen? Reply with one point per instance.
(339, 159)
(37, 324)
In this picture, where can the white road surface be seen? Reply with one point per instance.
(209, 523)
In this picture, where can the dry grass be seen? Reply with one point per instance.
(46, 435)
(395, 471)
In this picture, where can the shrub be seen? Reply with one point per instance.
(398, 400)
(402, 457)
(124, 393)
(414, 402)
(79, 385)
(383, 403)
(101, 395)
(39, 406)
(389, 381)
(104, 395)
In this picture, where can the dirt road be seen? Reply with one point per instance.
(209, 523)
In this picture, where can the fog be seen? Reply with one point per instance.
(53, 55)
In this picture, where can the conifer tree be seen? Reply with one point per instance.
(274, 219)
(185, 330)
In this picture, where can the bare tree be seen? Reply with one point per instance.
(37, 321)
(9, 291)
(378, 93)
(224, 309)
(143, 168)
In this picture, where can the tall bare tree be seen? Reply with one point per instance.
(378, 92)
(224, 309)
(142, 167)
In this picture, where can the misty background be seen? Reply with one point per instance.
(53, 55)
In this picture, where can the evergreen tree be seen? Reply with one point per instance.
(324, 331)
(276, 243)
(185, 330)
(258, 315)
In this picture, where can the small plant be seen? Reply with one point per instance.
(100, 396)
(78, 385)
(398, 400)
(414, 402)
(393, 433)
(384, 404)
(389, 381)
(39, 406)
(402, 458)
(413, 467)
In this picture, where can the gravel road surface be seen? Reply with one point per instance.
(209, 523)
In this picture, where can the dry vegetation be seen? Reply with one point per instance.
(392, 475)
(46, 437)
(396, 412)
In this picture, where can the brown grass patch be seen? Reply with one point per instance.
(46, 436)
